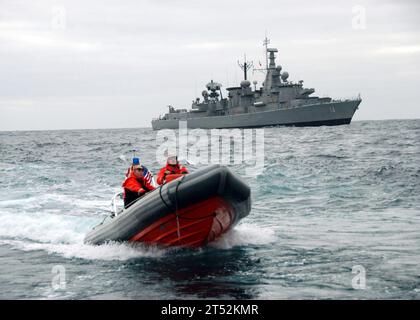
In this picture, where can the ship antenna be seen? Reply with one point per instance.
(266, 42)
(245, 66)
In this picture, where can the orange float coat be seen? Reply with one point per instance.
(170, 170)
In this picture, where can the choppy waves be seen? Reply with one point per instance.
(328, 198)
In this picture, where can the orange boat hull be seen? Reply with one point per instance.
(192, 226)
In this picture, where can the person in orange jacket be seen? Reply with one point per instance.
(137, 183)
(172, 167)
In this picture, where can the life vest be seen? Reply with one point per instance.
(170, 170)
(134, 187)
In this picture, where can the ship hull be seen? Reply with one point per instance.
(329, 114)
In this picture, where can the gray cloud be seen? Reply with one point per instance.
(120, 64)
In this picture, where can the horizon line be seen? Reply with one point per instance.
(125, 128)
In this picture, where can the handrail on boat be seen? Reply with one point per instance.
(114, 203)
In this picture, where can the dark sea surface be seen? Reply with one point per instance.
(328, 199)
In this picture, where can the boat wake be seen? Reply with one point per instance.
(63, 235)
(245, 234)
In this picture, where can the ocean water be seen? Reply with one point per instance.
(330, 200)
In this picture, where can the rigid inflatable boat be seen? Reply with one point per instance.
(191, 210)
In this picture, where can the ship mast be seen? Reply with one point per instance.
(245, 66)
(265, 43)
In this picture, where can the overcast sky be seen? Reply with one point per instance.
(112, 64)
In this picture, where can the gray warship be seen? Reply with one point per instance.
(278, 102)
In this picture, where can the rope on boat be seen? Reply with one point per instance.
(178, 231)
(177, 205)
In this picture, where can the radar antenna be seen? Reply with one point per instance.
(246, 66)
(266, 42)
